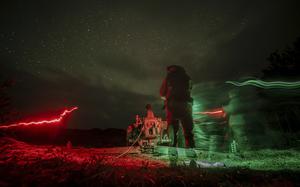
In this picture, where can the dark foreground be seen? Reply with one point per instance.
(22, 164)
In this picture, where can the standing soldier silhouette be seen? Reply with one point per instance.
(176, 91)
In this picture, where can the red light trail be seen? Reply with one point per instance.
(216, 113)
(51, 121)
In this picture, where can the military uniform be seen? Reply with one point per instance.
(176, 89)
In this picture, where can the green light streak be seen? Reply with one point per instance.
(267, 85)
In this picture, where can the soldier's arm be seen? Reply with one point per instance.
(190, 85)
(163, 89)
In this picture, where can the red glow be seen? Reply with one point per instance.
(215, 113)
(50, 121)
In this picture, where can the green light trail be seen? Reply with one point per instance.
(267, 85)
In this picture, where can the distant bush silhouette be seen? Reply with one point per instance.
(283, 111)
(284, 64)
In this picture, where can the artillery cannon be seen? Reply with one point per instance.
(148, 133)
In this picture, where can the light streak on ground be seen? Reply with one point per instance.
(50, 121)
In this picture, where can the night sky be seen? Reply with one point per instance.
(109, 57)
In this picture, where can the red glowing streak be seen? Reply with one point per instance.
(51, 121)
(215, 113)
(212, 113)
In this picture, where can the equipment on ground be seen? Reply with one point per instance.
(150, 133)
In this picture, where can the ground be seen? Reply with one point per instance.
(23, 164)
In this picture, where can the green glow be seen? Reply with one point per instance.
(244, 138)
(206, 129)
(263, 159)
(267, 85)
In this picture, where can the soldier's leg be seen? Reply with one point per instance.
(187, 125)
(172, 130)
(173, 126)
(180, 137)
(240, 137)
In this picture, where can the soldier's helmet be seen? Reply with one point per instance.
(173, 68)
(148, 107)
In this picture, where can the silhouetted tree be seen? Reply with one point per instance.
(283, 111)
(284, 64)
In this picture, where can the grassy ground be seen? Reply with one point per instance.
(22, 164)
(264, 159)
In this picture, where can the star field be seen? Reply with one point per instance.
(110, 57)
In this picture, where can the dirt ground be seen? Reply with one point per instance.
(23, 164)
